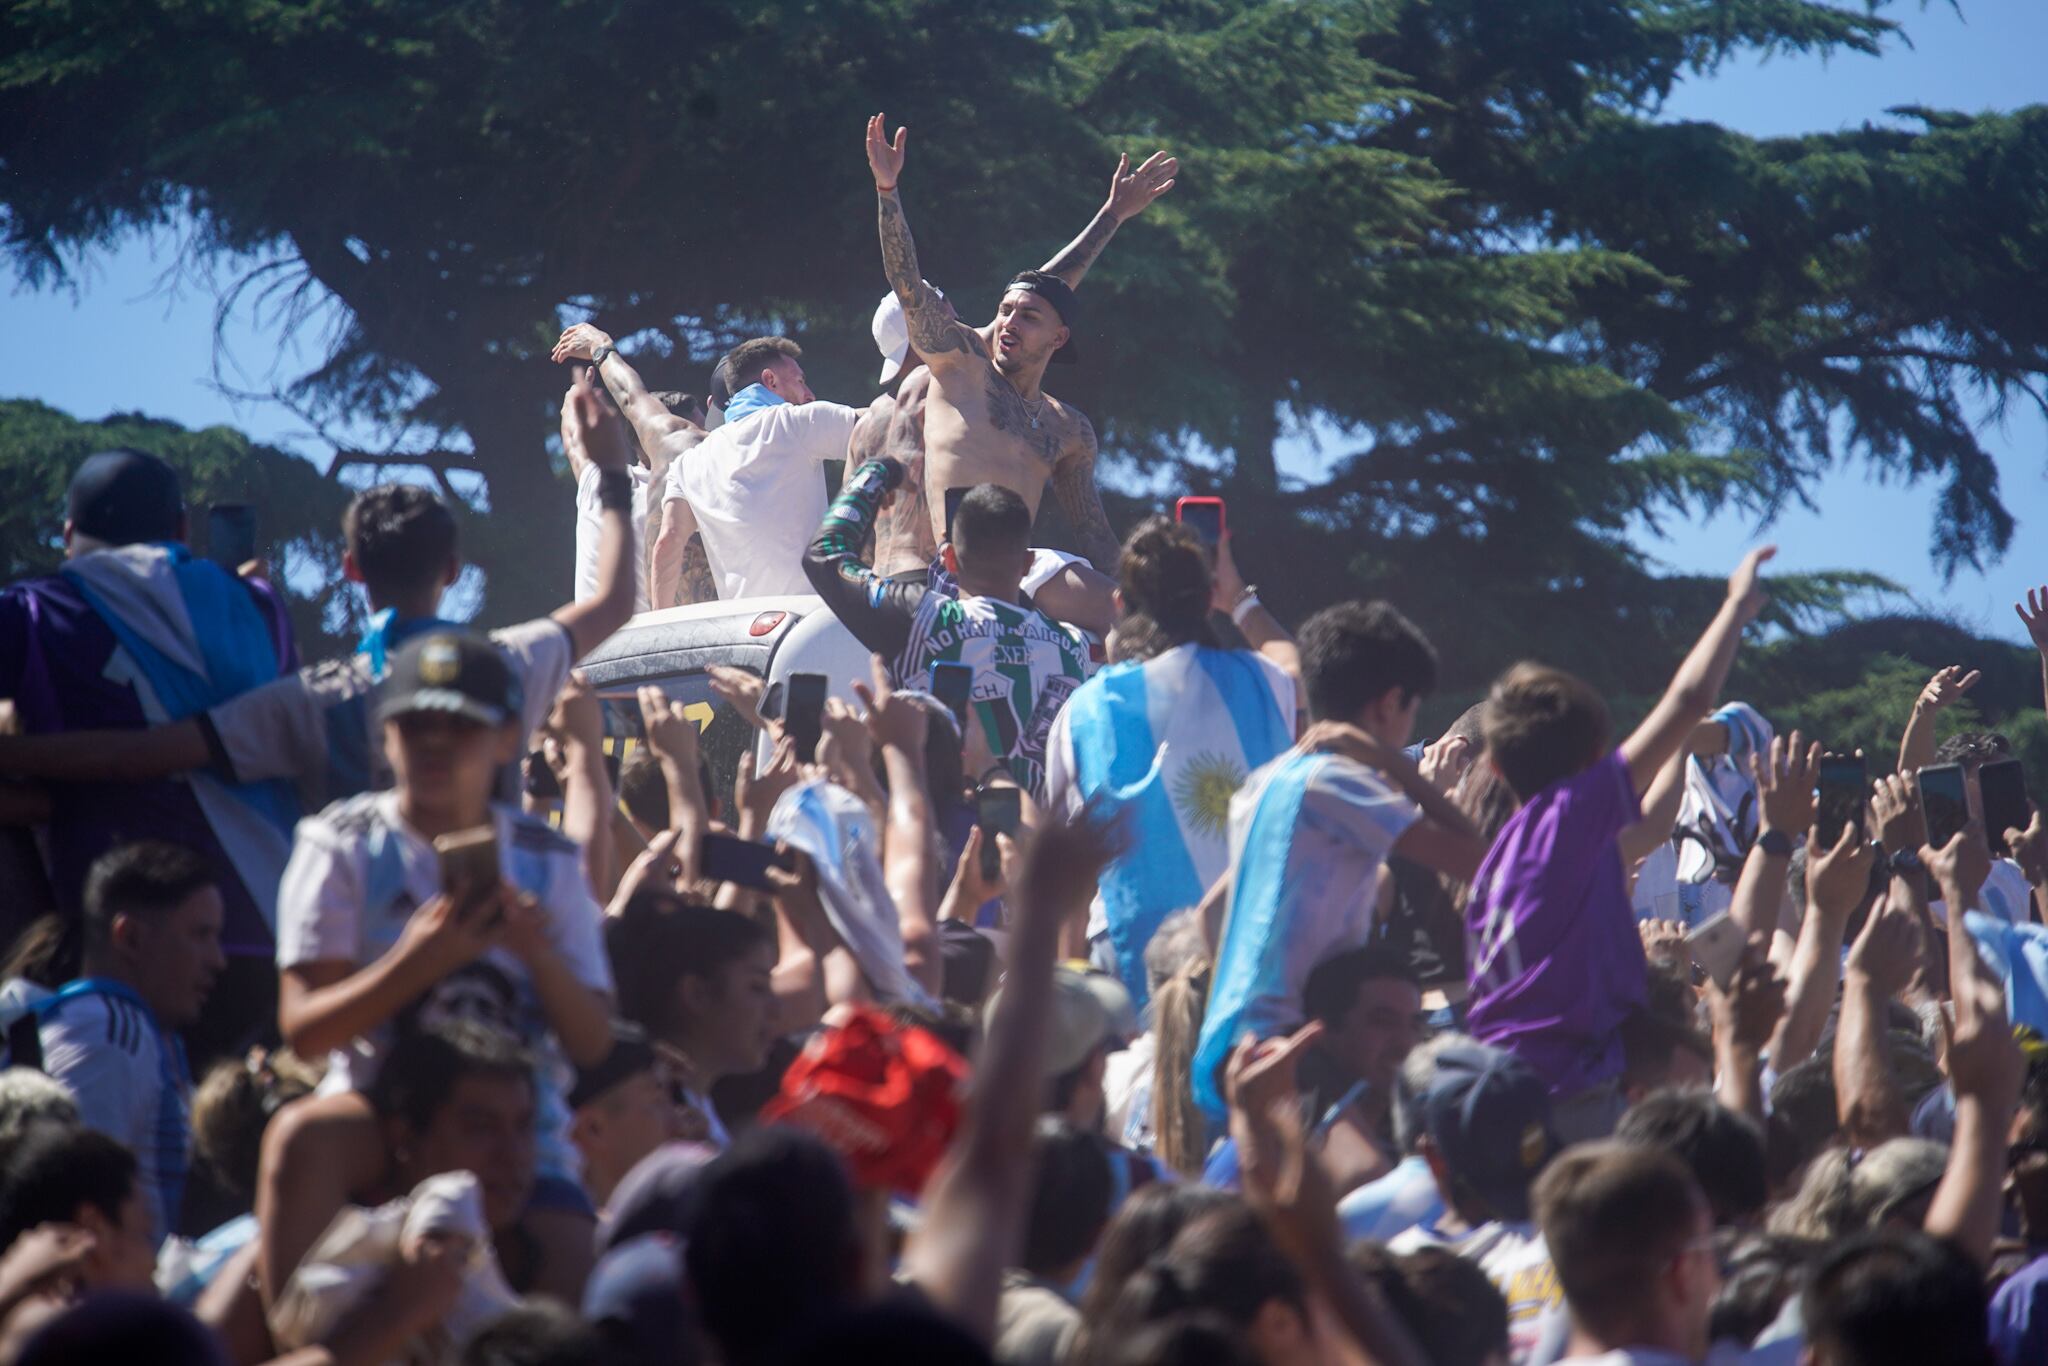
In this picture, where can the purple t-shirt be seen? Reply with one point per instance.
(2019, 1315)
(62, 673)
(1551, 950)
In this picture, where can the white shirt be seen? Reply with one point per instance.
(356, 875)
(759, 495)
(1517, 1260)
(590, 521)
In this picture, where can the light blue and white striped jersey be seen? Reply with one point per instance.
(130, 1080)
(1309, 834)
(1166, 744)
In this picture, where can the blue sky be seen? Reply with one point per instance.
(132, 339)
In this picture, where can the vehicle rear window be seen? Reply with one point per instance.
(722, 735)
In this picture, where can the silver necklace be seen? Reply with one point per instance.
(1035, 409)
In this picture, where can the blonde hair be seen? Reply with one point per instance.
(1177, 970)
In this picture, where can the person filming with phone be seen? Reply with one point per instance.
(406, 908)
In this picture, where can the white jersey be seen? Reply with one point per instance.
(1517, 1261)
(129, 1080)
(356, 875)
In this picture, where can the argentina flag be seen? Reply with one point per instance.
(1164, 745)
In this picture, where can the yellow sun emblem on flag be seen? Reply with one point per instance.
(1202, 792)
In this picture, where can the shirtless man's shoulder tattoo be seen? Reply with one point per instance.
(1036, 425)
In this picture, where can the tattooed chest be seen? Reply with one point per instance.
(1036, 424)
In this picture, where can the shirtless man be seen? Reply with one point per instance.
(669, 425)
(978, 406)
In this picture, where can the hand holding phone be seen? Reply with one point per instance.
(1841, 794)
(803, 714)
(1716, 945)
(998, 810)
(1204, 515)
(744, 863)
(1943, 801)
(2003, 786)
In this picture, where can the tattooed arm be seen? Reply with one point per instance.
(651, 420)
(879, 613)
(696, 580)
(1073, 484)
(1129, 194)
(934, 332)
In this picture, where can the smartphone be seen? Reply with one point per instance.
(2003, 786)
(1716, 945)
(803, 714)
(998, 810)
(744, 863)
(953, 684)
(1943, 802)
(231, 534)
(1205, 515)
(953, 497)
(1842, 793)
(469, 863)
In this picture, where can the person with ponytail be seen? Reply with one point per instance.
(1167, 734)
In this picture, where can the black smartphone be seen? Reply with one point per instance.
(1943, 802)
(231, 534)
(803, 714)
(1204, 515)
(1843, 791)
(953, 684)
(741, 862)
(953, 497)
(2003, 786)
(997, 810)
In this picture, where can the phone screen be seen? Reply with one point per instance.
(231, 534)
(2004, 788)
(803, 714)
(997, 810)
(953, 497)
(1205, 515)
(953, 684)
(1843, 791)
(1716, 945)
(742, 862)
(1943, 802)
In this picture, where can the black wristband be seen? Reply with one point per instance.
(615, 490)
(1776, 843)
(1906, 862)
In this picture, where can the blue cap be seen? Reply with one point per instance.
(1488, 1113)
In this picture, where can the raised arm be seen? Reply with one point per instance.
(1130, 192)
(2034, 614)
(934, 332)
(1073, 485)
(974, 1205)
(1784, 788)
(877, 611)
(593, 619)
(1698, 680)
(898, 726)
(1836, 880)
(1868, 1100)
(1944, 690)
(1239, 601)
(652, 422)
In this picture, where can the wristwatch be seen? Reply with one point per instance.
(1776, 843)
(597, 357)
(1905, 861)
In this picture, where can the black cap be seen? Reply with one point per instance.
(452, 672)
(631, 1055)
(1056, 292)
(124, 496)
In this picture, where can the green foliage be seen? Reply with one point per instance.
(1451, 232)
(298, 511)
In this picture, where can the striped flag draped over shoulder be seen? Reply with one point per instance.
(1164, 745)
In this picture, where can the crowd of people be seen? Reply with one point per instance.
(375, 1010)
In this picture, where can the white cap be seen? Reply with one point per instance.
(891, 331)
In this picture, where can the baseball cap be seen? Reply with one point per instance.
(891, 331)
(884, 1096)
(1088, 1009)
(452, 672)
(637, 1293)
(1056, 292)
(657, 1195)
(1488, 1113)
(631, 1055)
(124, 497)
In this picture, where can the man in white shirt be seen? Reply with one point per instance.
(753, 489)
(153, 917)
